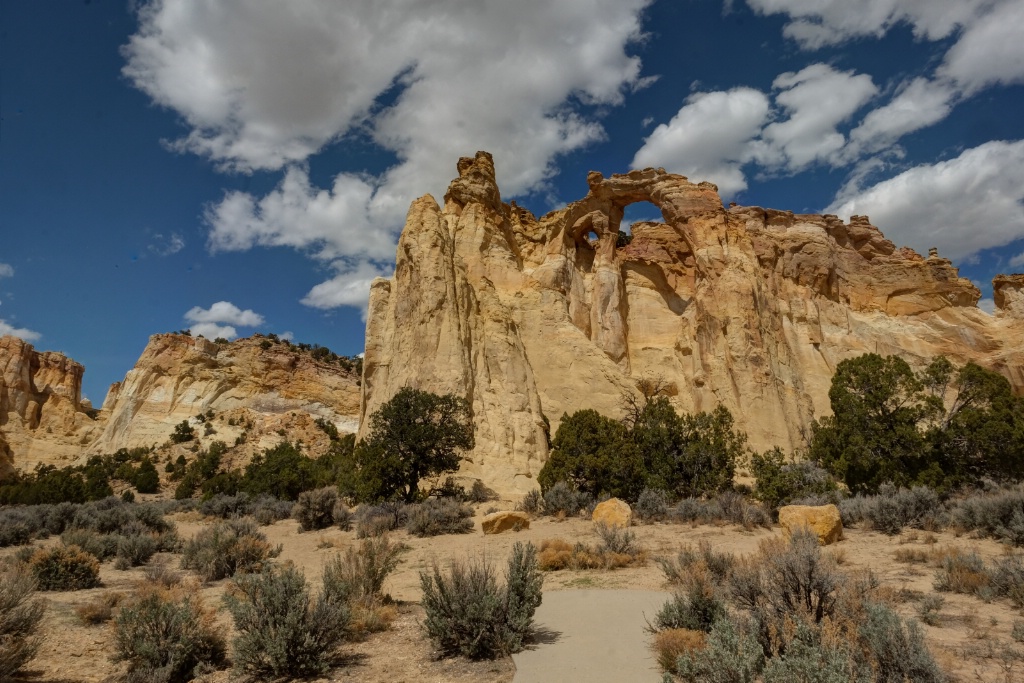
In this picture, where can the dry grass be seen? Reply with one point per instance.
(100, 609)
(557, 554)
(671, 643)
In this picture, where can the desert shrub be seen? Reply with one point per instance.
(342, 516)
(435, 517)
(479, 493)
(563, 499)
(102, 546)
(100, 609)
(615, 539)
(895, 648)
(166, 635)
(20, 616)
(315, 509)
(282, 629)
(671, 643)
(532, 503)
(161, 574)
(1007, 578)
(227, 548)
(18, 526)
(891, 509)
(929, 610)
(64, 568)
(264, 508)
(359, 574)
(651, 505)
(135, 549)
(677, 569)
(729, 506)
(810, 660)
(780, 483)
(731, 655)
(374, 520)
(999, 515)
(469, 614)
(695, 604)
(961, 572)
(282, 471)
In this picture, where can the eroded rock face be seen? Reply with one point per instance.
(747, 307)
(178, 377)
(42, 417)
(505, 520)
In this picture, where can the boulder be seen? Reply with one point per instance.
(505, 520)
(823, 520)
(613, 512)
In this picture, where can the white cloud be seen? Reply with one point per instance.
(709, 138)
(6, 270)
(165, 246)
(990, 50)
(963, 205)
(829, 22)
(987, 305)
(1017, 261)
(27, 335)
(263, 85)
(350, 287)
(220, 319)
(918, 103)
(817, 98)
(287, 336)
(213, 331)
(334, 223)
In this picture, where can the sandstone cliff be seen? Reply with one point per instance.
(42, 416)
(260, 386)
(747, 307)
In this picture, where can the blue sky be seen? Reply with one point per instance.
(245, 166)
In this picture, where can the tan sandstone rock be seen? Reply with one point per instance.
(505, 520)
(531, 318)
(823, 520)
(613, 512)
(42, 418)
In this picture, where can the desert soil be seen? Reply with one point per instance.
(972, 639)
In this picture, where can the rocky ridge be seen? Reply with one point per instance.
(747, 307)
(261, 392)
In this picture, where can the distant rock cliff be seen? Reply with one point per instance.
(253, 380)
(747, 307)
(42, 416)
(260, 392)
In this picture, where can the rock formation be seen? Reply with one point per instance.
(261, 393)
(250, 381)
(42, 416)
(747, 307)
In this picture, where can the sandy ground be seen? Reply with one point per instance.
(972, 640)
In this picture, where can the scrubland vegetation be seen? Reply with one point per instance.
(907, 456)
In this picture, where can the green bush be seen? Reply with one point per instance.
(469, 614)
(282, 630)
(135, 550)
(694, 605)
(731, 655)
(652, 505)
(20, 617)
(182, 432)
(64, 568)
(435, 517)
(227, 548)
(166, 636)
(563, 499)
(315, 509)
(780, 483)
(358, 575)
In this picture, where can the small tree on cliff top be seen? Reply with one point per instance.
(413, 436)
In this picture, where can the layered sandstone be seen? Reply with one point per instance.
(747, 307)
(42, 415)
(261, 386)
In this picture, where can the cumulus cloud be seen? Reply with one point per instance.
(716, 134)
(709, 138)
(829, 22)
(1017, 261)
(265, 84)
(6, 270)
(990, 50)
(350, 287)
(27, 335)
(917, 104)
(221, 319)
(987, 305)
(817, 98)
(961, 206)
